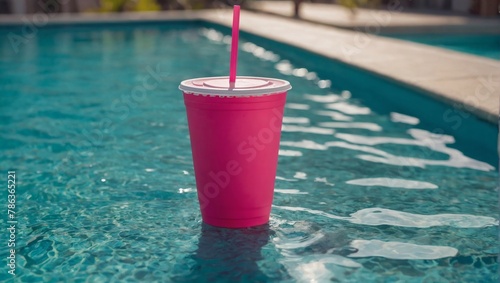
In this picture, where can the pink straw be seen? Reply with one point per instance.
(234, 44)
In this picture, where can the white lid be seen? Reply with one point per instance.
(244, 86)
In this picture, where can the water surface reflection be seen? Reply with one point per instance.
(229, 254)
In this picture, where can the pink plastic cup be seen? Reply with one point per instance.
(235, 133)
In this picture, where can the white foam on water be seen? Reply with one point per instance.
(290, 191)
(310, 130)
(335, 115)
(350, 125)
(380, 216)
(300, 72)
(186, 190)
(361, 143)
(392, 183)
(298, 106)
(284, 67)
(329, 98)
(318, 268)
(422, 138)
(323, 180)
(285, 179)
(300, 175)
(298, 243)
(306, 144)
(348, 108)
(399, 250)
(296, 120)
(287, 152)
(401, 118)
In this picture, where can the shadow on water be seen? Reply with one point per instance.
(230, 255)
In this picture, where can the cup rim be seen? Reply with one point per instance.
(265, 86)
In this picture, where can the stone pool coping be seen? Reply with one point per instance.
(465, 81)
(393, 19)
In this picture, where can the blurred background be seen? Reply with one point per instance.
(484, 8)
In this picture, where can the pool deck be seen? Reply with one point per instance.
(467, 82)
(393, 19)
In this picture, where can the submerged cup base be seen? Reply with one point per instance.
(236, 223)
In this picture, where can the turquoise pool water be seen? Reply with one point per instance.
(481, 45)
(376, 183)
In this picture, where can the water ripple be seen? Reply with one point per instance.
(380, 216)
(424, 139)
(298, 106)
(335, 115)
(323, 180)
(392, 183)
(299, 242)
(367, 126)
(401, 118)
(307, 144)
(348, 108)
(287, 152)
(300, 175)
(296, 120)
(319, 268)
(399, 250)
(456, 158)
(310, 130)
(290, 191)
(285, 179)
(329, 98)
